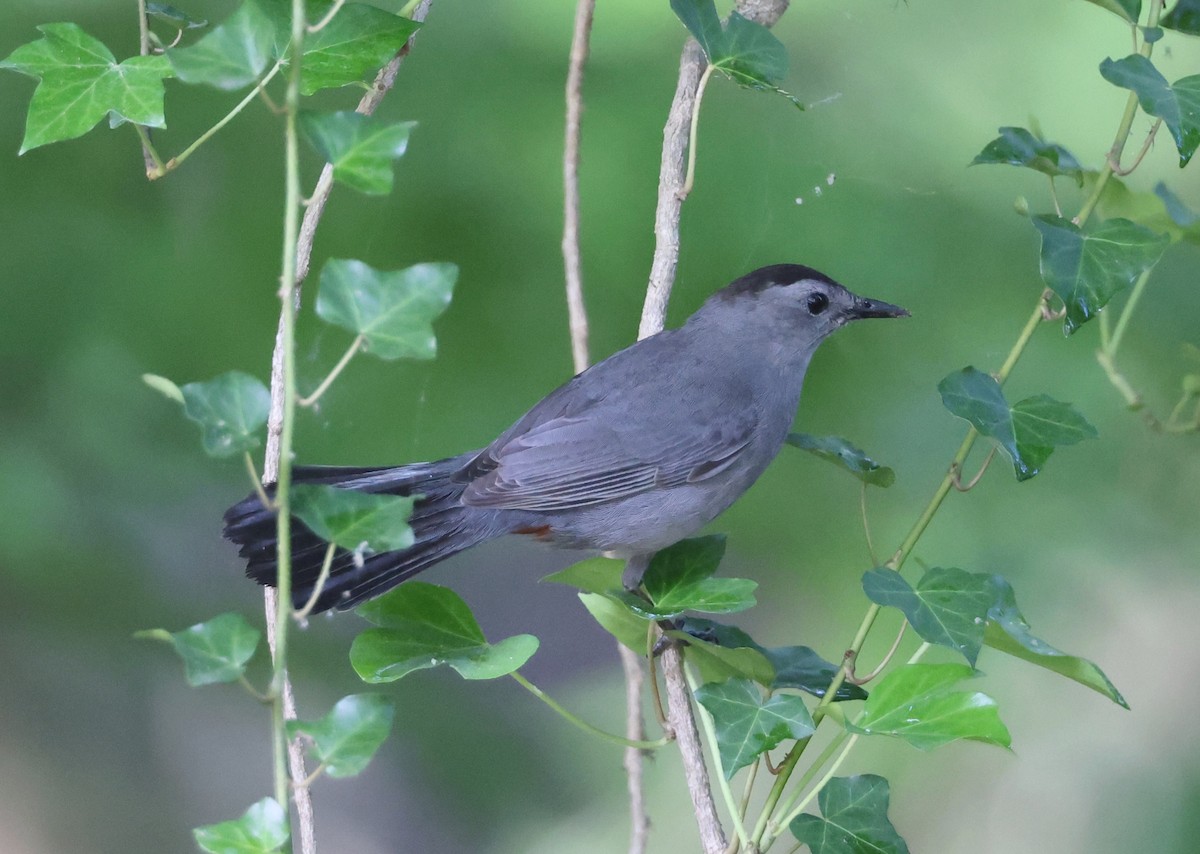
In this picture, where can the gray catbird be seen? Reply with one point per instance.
(630, 456)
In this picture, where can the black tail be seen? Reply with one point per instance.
(441, 525)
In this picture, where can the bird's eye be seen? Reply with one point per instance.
(817, 303)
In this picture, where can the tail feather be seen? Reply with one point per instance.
(441, 525)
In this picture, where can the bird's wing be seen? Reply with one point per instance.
(586, 459)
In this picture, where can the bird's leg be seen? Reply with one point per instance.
(635, 568)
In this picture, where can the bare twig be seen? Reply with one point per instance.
(584, 12)
(312, 215)
(654, 310)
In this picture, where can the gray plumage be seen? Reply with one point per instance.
(636, 453)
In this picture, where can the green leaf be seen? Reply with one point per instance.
(392, 310)
(423, 625)
(164, 386)
(1019, 147)
(1184, 17)
(1027, 432)
(1129, 10)
(261, 830)
(231, 56)
(80, 82)
(357, 41)
(717, 663)
(361, 148)
(747, 725)
(1180, 214)
(743, 50)
(174, 16)
(1087, 268)
(355, 520)
(796, 667)
(594, 575)
(678, 579)
(1008, 632)
(215, 651)
(345, 739)
(1150, 209)
(916, 703)
(948, 607)
(230, 409)
(853, 819)
(616, 619)
(844, 455)
(1177, 104)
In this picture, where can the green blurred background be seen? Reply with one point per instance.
(109, 512)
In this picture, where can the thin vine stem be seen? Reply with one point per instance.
(710, 735)
(319, 587)
(354, 347)
(579, 722)
(690, 179)
(257, 481)
(324, 22)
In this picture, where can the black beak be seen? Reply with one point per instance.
(875, 308)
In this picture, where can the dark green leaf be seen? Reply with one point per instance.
(1008, 632)
(747, 725)
(1018, 147)
(1027, 432)
(361, 148)
(215, 651)
(1149, 209)
(1130, 10)
(594, 575)
(917, 703)
(173, 16)
(844, 455)
(1177, 104)
(1088, 268)
(231, 410)
(1180, 213)
(393, 310)
(421, 626)
(854, 821)
(233, 55)
(355, 520)
(797, 667)
(679, 579)
(948, 607)
(357, 41)
(745, 51)
(1184, 17)
(80, 82)
(345, 739)
(261, 830)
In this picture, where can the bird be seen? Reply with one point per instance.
(632, 455)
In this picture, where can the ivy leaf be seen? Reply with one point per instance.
(230, 409)
(948, 607)
(392, 310)
(173, 16)
(1184, 17)
(1019, 147)
(263, 829)
(797, 667)
(747, 725)
(679, 579)
(618, 620)
(361, 148)
(1180, 214)
(844, 455)
(594, 575)
(81, 82)
(345, 739)
(718, 662)
(1008, 632)
(358, 40)
(233, 55)
(353, 519)
(1087, 268)
(743, 50)
(853, 819)
(1129, 10)
(917, 703)
(214, 651)
(1177, 104)
(1027, 432)
(422, 625)
(1153, 210)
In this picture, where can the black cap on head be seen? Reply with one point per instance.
(768, 277)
